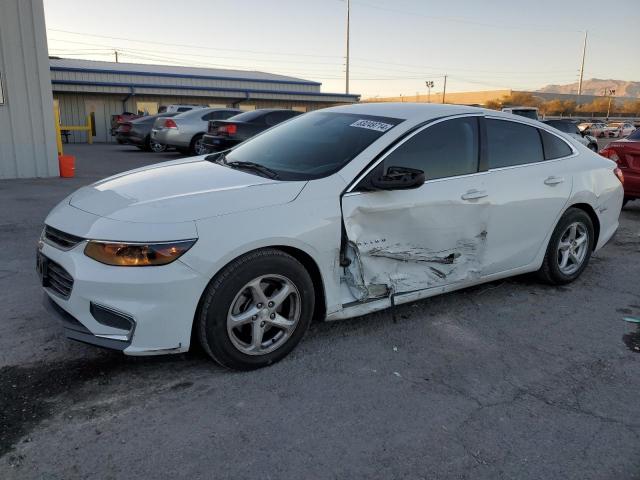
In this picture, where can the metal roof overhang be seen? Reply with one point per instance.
(153, 89)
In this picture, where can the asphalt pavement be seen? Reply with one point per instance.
(512, 379)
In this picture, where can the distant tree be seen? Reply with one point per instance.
(493, 104)
(631, 107)
(521, 99)
(599, 106)
(558, 107)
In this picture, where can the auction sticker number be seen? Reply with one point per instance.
(372, 125)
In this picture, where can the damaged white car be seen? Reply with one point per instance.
(334, 214)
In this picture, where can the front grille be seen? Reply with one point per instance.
(55, 277)
(60, 239)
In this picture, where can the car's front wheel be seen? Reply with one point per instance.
(569, 248)
(256, 310)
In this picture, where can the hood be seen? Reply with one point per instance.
(180, 191)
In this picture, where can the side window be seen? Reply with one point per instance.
(446, 149)
(554, 147)
(184, 109)
(510, 143)
(278, 117)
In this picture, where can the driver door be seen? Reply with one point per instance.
(406, 240)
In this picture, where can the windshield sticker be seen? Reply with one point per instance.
(371, 125)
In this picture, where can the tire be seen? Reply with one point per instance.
(561, 246)
(155, 147)
(625, 201)
(182, 150)
(593, 147)
(197, 147)
(232, 296)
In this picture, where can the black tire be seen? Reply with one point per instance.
(155, 147)
(193, 146)
(550, 270)
(182, 150)
(211, 319)
(625, 201)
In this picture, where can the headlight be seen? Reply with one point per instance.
(136, 254)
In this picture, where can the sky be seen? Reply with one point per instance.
(396, 45)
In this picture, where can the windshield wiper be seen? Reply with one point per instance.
(256, 167)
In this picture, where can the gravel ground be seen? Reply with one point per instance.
(511, 379)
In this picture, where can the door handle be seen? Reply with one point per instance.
(474, 195)
(553, 180)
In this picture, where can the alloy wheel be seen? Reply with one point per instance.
(572, 248)
(264, 314)
(199, 147)
(157, 147)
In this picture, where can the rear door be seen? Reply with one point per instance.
(530, 180)
(407, 240)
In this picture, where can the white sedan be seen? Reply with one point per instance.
(334, 214)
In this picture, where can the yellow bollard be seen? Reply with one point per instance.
(89, 130)
(56, 118)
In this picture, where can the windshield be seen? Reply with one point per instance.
(313, 145)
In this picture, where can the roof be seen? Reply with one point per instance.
(94, 66)
(407, 111)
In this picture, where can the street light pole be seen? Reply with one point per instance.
(429, 84)
(348, 27)
(444, 90)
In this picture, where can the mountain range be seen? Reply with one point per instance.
(597, 86)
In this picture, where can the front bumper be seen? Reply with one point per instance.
(74, 330)
(160, 303)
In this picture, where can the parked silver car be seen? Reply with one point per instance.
(184, 131)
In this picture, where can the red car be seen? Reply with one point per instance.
(626, 153)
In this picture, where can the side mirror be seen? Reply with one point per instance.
(397, 178)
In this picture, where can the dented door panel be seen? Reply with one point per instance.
(407, 240)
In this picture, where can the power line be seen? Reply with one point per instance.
(200, 47)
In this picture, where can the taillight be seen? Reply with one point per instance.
(610, 153)
(230, 129)
(169, 123)
(618, 173)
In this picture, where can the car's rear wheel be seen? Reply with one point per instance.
(569, 248)
(197, 146)
(256, 310)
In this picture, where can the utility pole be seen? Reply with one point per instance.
(612, 92)
(584, 51)
(348, 27)
(116, 54)
(429, 84)
(444, 90)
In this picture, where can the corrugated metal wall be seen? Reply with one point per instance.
(27, 131)
(74, 108)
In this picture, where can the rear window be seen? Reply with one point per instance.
(563, 126)
(313, 145)
(532, 114)
(249, 116)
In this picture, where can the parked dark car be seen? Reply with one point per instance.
(119, 119)
(138, 132)
(224, 134)
(626, 153)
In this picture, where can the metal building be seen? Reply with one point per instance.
(27, 133)
(84, 87)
